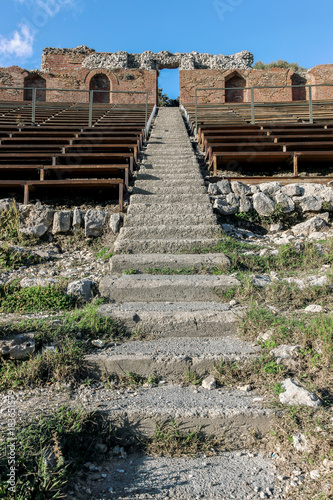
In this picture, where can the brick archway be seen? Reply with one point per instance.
(234, 80)
(34, 81)
(100, 82)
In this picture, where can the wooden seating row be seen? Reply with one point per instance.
(64, 152)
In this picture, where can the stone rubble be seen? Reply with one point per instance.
(156, 61)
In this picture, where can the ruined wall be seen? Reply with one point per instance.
(73, 69)
(190, 80)
(62, 69)
(318, 75)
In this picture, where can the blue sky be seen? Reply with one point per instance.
(294, 30)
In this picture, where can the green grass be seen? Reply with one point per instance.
(71, 335)
(287, 260)
(104, 254)
(11, 259)
(169, 440)
(9, 227)
(14, 299)
(65, 365)
(49, 451)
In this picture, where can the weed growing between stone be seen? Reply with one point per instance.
(69, 337)
(279, 293)
(9, 228)
(11, 259)
(170, 441)
(312, 366)
(66, 365)
(104, 254)
(50, 450)
(312, 428)
(244, 259)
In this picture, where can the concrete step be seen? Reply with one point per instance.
(165, 288)
(225, 476)
(145, 175)
(169, 183)
(163, 187)
(148, 219)
(168, 198)
(165, 232)
(143, 262)
(163, 246)
(233, 414)
(177, 209)
(170, 358)
(180, 319)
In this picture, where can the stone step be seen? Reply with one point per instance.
(143, 262)
(163, 246)
(145, 175)
(165, 232)
(174, 170)
(230, 413)
(163, 187)
(168, 198)
(170, 358)
(165, 288)
(169, 183)
(147, 219)
(180, 319)
(177, 209)
(222, 476)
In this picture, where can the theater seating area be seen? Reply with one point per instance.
(280, 142)
(61, 152)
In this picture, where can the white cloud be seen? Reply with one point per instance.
(20, 44)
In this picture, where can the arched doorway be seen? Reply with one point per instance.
(236, 95)
(34, 82)
(299, 92)
(100, 82)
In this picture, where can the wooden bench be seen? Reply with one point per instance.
(82, 183)
(255, 158)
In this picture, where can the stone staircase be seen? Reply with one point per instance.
(186, 326)
(169, 209)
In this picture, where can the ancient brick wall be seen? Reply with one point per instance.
(319, 75)
(62, 69)
(190, 80)
(68, 69)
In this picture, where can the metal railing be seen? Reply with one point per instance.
(254, 104)
(147, 129)
(91, 94)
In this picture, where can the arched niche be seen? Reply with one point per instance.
(34, 82)
(299, 92)
(100, 82)
(239, 83)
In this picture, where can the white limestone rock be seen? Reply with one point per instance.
(263, 204)
(209, 383)
(18, 346)
(62, 221)
(286, 203)
(82, 289)
(116, 221)
(94, 222)
(35, 220)
(269, 188)
(224, 187)
(240, 188)
(309, 203)
(292, 190)
(296, 395)
(316, 223)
